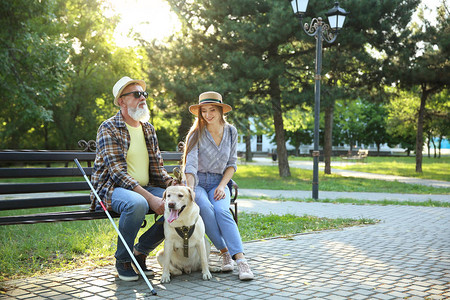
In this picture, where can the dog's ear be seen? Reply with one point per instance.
(191, 193)
(164, 195)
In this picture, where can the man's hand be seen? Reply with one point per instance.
(156, 204)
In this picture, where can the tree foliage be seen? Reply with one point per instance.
(423, 61)
(32, 72)
(59, 63)
(235, 48)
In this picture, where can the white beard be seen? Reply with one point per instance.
(139, 114)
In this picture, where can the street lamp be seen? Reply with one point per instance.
(321, 31)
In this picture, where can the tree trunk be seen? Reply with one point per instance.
(186, 123)
(283, 164)
(434, 147)
(419, 136)
(248, 144)
(328, 144)
(440, 145)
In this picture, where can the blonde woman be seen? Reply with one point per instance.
(210, 158)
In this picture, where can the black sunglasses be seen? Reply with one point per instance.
(137, 94)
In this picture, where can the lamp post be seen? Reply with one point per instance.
(321, 31)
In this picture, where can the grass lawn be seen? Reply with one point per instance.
(433, 168)
(29, 250)
(266, 177)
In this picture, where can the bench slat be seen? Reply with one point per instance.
(42, 172)
(171, 156)
(56, 217)
(20, 188)
(169, 169)
(37, 202)
(43, 156)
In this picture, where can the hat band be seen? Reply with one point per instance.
(209, 100)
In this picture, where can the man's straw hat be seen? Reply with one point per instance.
(123, 83)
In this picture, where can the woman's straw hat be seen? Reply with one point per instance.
(210, 97)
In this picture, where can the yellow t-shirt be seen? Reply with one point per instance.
(137, 155)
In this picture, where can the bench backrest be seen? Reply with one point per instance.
(52, 172)
(363, 152)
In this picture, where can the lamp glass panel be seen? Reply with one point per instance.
(299, 6)
(336, 21)
(341, 20)
(333, 21)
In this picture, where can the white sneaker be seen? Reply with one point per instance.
(244, 270)
(227, 262)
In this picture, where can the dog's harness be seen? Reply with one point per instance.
(185, 233)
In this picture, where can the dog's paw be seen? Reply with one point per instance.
(175, 271)
(213, 269)
(207, 275)
(165, 278)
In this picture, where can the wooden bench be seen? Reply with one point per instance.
(57, 182)
(361, 155)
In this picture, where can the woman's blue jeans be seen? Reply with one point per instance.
(132, 208)
(219, 223)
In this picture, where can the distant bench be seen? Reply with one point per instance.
(361, 155)
(65, 182)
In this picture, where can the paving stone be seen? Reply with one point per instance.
(383, 296)
(26, 296)
(417, 293)
(61, 297)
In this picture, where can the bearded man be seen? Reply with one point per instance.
(128, 174)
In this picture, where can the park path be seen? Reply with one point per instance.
(279, 194)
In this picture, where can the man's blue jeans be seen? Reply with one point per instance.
(133, 208)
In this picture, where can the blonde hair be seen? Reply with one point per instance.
(197, 130)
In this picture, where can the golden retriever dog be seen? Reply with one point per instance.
(185, 247)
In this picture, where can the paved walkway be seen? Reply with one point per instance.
(276, 194)
(406, 255)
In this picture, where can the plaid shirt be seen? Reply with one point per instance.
(110, 167)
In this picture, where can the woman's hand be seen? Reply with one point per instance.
(219, 193)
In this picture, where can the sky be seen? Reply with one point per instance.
(432, 4)
(153, 19)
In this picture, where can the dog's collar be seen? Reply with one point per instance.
(185, 233)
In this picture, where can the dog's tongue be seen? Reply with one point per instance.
(173, 215)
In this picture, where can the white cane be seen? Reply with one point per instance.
(115, 227)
